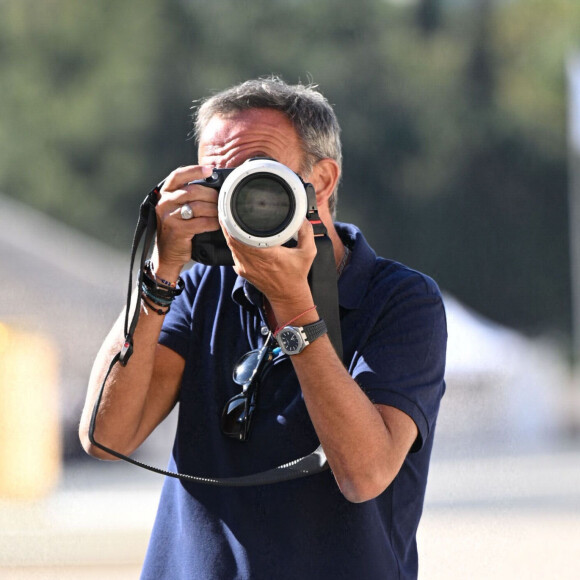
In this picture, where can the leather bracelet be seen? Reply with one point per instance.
(161, 287)
(155, 298)
(153, 290)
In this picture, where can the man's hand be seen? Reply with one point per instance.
(280, 273)
(174, 234)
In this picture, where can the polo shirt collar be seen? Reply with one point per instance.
(353, 284)
(245, 294)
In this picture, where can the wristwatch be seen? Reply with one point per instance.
(294, 339)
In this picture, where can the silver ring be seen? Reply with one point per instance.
(186, 212)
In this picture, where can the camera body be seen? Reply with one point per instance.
(261, 203)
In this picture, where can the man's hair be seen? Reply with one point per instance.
(306, 108)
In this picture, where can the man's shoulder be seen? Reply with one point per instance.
(394, 274)
(371, 274)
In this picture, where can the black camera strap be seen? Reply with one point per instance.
(322, 278)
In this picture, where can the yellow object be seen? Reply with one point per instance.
(30, 449)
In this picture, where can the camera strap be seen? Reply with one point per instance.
(322, 278)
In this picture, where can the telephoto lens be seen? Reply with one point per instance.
(261, 203)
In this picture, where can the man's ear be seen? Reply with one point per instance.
(324, 177)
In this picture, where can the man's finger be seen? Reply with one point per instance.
(181, 176)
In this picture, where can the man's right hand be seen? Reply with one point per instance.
(174, 234)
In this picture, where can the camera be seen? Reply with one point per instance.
(261, 203)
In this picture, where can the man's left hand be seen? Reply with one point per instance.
(280, 273)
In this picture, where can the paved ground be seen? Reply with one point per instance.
(500, 517)
(503, 518)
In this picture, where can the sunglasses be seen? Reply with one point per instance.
(238, 411)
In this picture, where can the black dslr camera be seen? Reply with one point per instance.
(262, 203)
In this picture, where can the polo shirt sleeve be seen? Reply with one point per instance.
(402, 362)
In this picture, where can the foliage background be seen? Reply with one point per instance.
(453, 117)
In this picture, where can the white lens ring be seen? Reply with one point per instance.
(239, 174)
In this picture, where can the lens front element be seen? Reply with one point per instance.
(263, 204)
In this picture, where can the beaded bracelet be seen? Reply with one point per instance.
(159, 293)
(152, 307)
(150, 271)
(158, 284)
(149, 268)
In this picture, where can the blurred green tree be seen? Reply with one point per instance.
(77, 105)
(453, 119)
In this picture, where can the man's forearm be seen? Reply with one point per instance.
(364, 447)
(132, 403)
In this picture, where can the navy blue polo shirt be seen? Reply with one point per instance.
(394, 339)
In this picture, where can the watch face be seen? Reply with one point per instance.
(290, 341)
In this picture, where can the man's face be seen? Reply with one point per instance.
(227, 142)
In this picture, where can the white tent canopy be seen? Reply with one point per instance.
(503, 388)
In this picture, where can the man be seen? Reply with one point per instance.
(374, 412)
